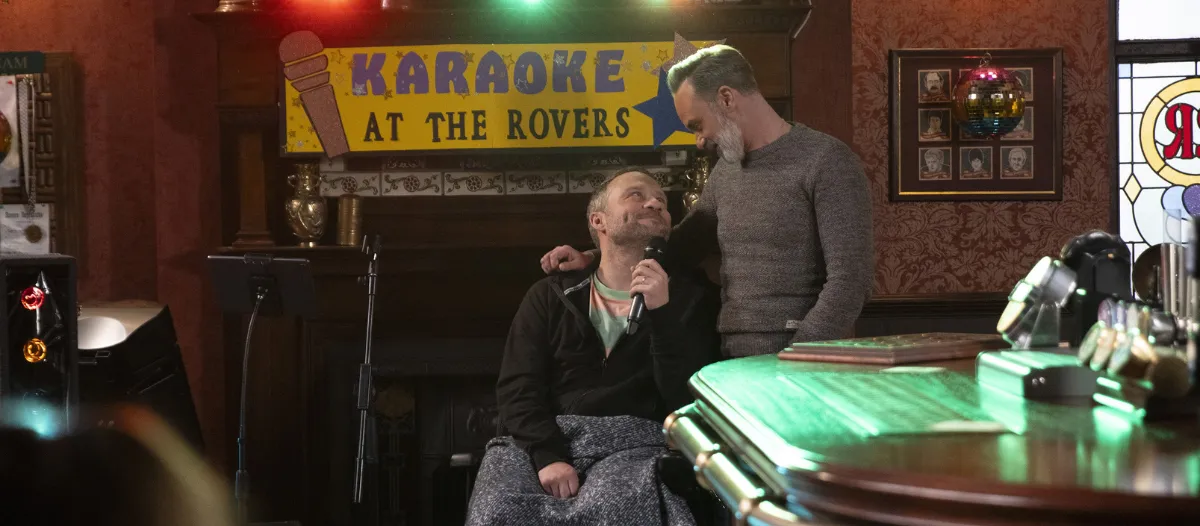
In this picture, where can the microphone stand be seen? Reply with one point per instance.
(364, 369)
(241, 486)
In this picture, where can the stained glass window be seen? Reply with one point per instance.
(1158, 130)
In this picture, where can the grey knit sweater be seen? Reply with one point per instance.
(793, 224)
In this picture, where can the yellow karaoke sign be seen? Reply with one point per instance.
(479, 96)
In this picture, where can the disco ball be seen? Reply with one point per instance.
(988, 101)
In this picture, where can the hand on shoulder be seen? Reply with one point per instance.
(565, 258)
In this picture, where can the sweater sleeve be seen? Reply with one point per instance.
(842, 206)
(523, 389)
(679, 348)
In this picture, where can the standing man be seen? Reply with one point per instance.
(787, 206)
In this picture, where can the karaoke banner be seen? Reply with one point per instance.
(479, 96)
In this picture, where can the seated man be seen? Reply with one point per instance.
(584, 401)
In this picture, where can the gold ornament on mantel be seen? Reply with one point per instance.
(696, 177)
(306, 209)
(238, 6)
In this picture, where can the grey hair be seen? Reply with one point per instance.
(599, 200)
(713, 67)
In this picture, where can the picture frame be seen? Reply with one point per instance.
(932, 158)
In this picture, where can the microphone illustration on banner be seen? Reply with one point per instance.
(306, 68)
(656, 250)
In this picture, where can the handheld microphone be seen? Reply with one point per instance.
(656, 250)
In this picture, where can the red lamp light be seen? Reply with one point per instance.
(32, 298)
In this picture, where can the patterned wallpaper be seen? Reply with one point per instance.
(945, 247)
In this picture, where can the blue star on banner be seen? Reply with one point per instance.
(661, 109)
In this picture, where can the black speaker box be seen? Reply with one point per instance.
(145, 369)
(38, 341)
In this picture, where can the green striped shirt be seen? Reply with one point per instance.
(609, 312)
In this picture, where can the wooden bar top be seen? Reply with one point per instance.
(1069, 462)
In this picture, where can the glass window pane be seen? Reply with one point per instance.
(1123, 70)
(1138, 156)
(1147, 178)
(1142, 195)
(1124, 95)
(1157, 19)
(1138, 248)
(1144, 90)
(1165, 69)
(1129, 230)
(1148, 214)
(1125, 138)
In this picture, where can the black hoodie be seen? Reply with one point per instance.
(554, 362)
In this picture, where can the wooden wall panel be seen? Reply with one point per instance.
(821, 71)
(769, 55)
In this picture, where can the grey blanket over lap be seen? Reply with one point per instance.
(616, 458)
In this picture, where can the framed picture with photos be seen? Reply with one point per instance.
(933, 158)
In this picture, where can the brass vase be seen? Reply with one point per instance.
(306, 209)
(697, 177)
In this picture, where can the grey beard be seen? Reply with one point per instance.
(729, 140)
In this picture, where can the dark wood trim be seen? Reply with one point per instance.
(258, 116)
(68, 131)
(516, 25)
(245, 130)
(1154, 50)
(959, 305)
(1114, 160)
(823, 50)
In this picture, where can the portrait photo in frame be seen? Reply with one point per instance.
(933, 158)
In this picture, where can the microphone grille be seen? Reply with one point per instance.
(298, 45)
(656, 249)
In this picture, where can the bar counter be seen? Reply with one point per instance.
(776, 452)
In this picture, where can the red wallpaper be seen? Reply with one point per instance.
(150, 162)
(112, 42)
(979, 246)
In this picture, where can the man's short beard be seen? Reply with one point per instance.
(730, 142)
(633, 234)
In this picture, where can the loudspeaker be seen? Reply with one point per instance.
(38, 342)
(131, 355)
(1102, 265)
